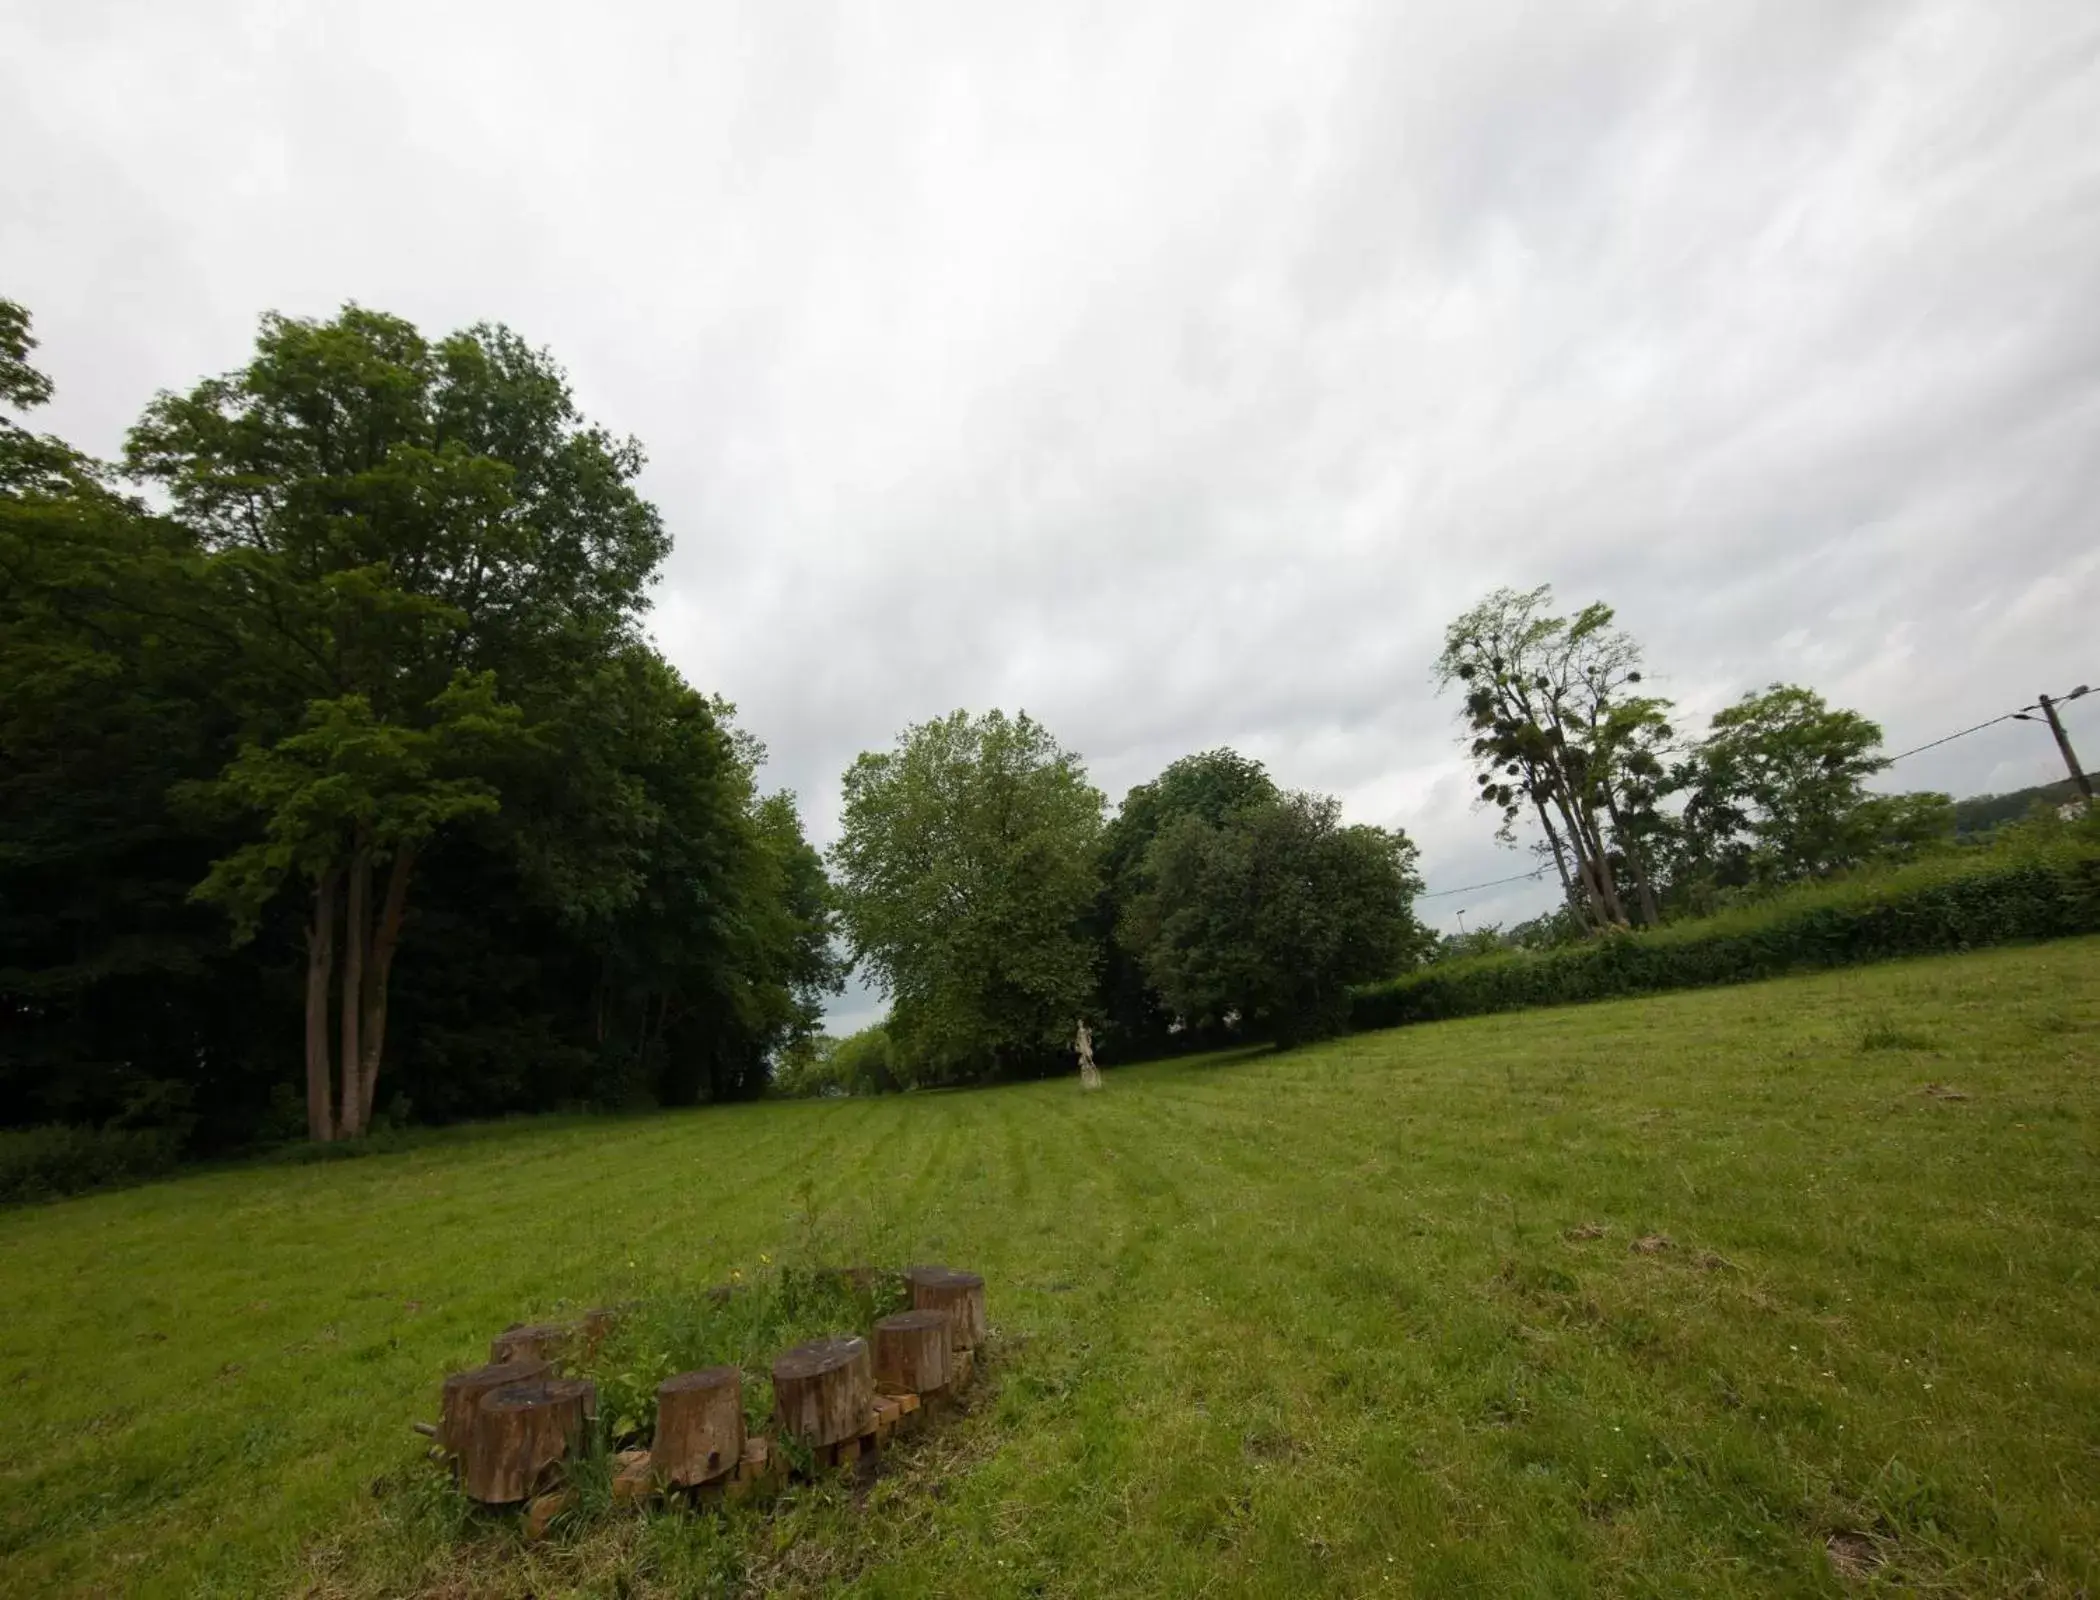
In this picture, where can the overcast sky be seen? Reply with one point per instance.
(1174, 372)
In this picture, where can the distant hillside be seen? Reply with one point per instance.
(1983, 812)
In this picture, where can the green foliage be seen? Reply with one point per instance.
(2042, 884)
(1263, 919)
(966, 864)
(1776, 792)
(1211, 786)
(394, 614)
(686, 1326)
(1983, 812)
(44, 1163)
(346, 774)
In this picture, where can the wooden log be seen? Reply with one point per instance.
(911, 1352)
(597, 1325)
(821, 1390)
(960, 1294)
(462, 1397)
(699, 1426)
(536, 1341)
(634, 1478)
(540, 1515)
(519, 1431)
(757, 1476)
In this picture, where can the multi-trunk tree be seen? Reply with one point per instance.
(405, 535)
(1557, 727)
(1636, 822)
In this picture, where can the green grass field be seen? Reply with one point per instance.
(1365, 1319)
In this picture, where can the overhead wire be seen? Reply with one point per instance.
(1914, 750)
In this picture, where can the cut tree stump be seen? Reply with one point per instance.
(911, 1352)
(537, 1341)
(597, 1325)
(699, 1426)
(519, 1431)
(462, 1396)
(821, 1390)
(960, 1294)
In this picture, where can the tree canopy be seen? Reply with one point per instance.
(966, 865)
(1264, 916)
(374, 684)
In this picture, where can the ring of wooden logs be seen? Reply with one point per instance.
(911, 1352)
(522, 1429)
(960, 1294)
(699, 1426)
(506, 1424)
(822, 1390)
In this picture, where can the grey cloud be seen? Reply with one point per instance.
(1175, 371)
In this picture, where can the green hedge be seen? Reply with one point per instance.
(2042, 885)
(44, 1163)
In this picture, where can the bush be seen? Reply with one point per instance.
(45, 1163)
(2042, 883)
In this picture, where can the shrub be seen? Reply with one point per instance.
(2042, 883)
(45, 1163)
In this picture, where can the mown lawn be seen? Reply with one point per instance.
(1364, 1319)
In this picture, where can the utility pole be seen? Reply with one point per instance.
(2063, 740)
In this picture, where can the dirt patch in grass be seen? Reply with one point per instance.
(1853, 1556)
(1652, 1244)
(1585, 1230)
(1940, 1091)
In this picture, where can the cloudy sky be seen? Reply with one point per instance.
(1174, 371)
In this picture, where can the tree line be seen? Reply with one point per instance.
(983, 888)
(350, 735)
(1639, 823)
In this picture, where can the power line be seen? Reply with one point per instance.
(1492, 883)
(1950, 738)
(2008, 716)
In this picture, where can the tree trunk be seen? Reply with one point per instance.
(911, 1352)
(519, 1431)
(320, 978)
(385, 940)
(959, 1294)
(1605, 877)
(1585, 869)
(463, 1394)
(699, 1426)
(822, 1390)
(357, 935)
(1651, 912)
(1560, 859)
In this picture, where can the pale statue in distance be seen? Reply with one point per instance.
(1089, 1074)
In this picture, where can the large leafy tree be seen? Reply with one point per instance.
(1211, 785)
(1557, 727)
(405, 534)
(1776, 791)
(117, 995)
(966, 866)
(1267, 915)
